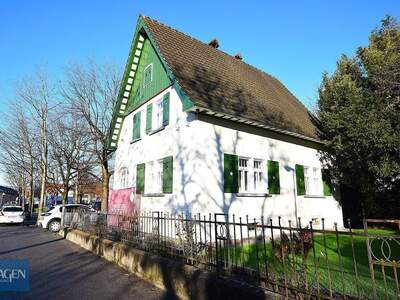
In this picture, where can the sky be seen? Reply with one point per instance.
(295, 41)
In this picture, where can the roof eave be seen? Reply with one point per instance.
(250, 122)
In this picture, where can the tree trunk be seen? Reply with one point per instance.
(44, 165)
(64, 195)
(32, 195)
(105, 186)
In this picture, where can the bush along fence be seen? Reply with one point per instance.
(292, 259)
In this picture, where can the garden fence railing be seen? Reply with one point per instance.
(297, 259)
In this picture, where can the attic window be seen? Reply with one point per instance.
(148, 75)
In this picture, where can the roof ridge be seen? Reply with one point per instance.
(223, 52)
(217, 50)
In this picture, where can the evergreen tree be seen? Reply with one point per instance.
(359, 113)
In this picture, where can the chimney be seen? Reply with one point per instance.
(238, 56)
(213, 43)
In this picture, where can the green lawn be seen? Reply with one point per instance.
(324, 268)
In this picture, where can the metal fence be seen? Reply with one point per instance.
(296, 260)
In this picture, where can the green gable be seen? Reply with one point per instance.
(138, 84)
(151, 77)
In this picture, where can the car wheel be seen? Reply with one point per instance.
(55, 226)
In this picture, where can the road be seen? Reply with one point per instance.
(60, 269)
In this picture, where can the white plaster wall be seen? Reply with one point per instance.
(198, 147)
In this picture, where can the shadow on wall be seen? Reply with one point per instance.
(211, 85)
(184, 159)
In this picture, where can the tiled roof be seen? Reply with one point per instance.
(214, 80)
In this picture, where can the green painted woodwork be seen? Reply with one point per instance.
(140, 175)
(149, 115)
(136, 126)
(159, 66)
(168, 177)
(326, 182)
(231, 165)
(301, 188)
(166, 109)
(146, 86)
(273, 177)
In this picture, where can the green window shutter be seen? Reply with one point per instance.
(273, 177)
(136, 126)
(140, 171)
(301, 189)
(168, 177)
(149, 117)
(326, 182)
(231, 173)
(166, 109)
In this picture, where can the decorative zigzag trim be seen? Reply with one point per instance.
(127, 91)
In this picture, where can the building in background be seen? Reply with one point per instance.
(8, 195)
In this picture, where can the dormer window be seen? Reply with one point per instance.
(148, 75)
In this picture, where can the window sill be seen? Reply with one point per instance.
(253, 195)
(153, 195)
(156, 130)
(135, 140)
(314, 196)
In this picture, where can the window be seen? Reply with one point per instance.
(154, 177)
(148, 75)
(312, 181)
(158, 118)
(12, 209)
(258, 175)
(243, 175)
(124, 178)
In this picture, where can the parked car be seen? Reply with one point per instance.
(12, 214)
(52, 218)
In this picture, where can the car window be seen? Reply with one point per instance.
(69, 209)
(12, 209)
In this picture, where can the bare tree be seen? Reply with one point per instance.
(39, 94)
(69, 152)
(19, 150)
(91, 91)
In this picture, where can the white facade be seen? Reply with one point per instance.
(197, 144)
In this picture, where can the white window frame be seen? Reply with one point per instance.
(158, 115)
(153, 177)
(151, 74)
(313, 181)
(124, 178)
(258, 176)
(244, 175)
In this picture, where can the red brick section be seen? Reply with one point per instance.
(214, 80)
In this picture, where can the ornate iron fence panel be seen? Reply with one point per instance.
(383, 260)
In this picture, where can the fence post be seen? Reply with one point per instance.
(156, 226)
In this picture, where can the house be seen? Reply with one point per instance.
(198, 130)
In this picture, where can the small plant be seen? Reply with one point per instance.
(300, 244)
(185, 231)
